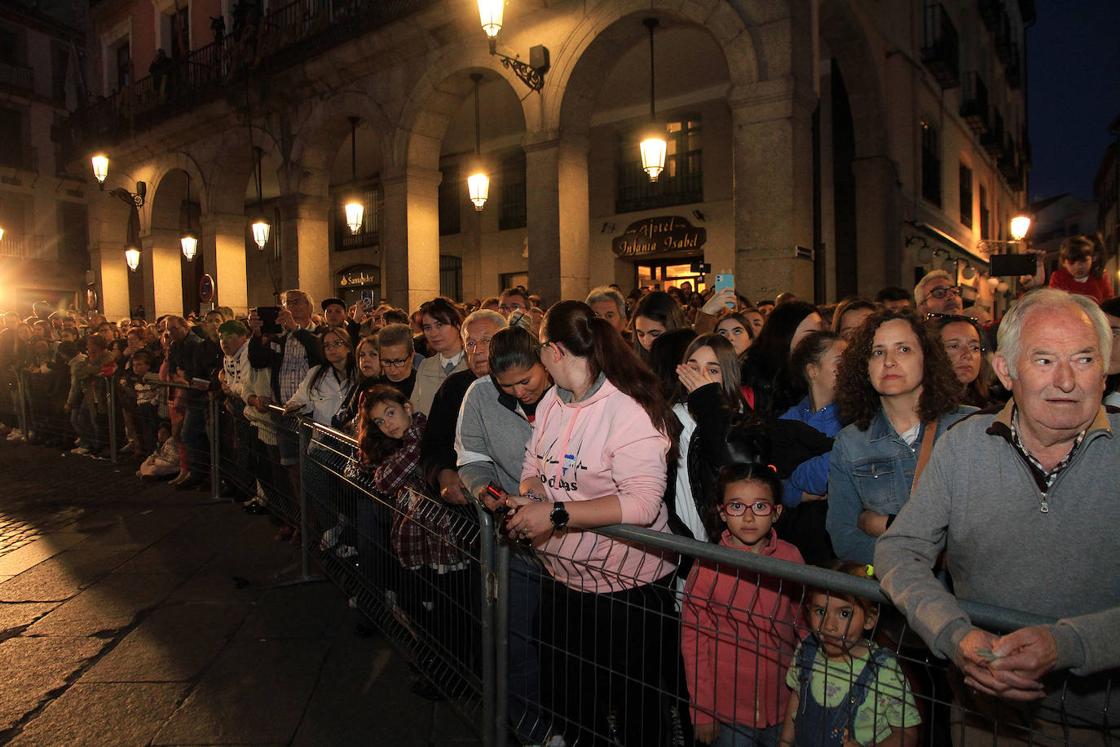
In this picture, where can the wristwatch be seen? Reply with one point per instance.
(559, 515)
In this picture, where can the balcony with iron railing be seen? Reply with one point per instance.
(992, 140)
(17, 77)
(16, 246)
(267, 44)
(941, 51)
(974, 102)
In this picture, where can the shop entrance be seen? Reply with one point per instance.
(672, 273)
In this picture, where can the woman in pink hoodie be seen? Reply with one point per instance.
(597, 456)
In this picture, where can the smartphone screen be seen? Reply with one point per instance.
(724, 281)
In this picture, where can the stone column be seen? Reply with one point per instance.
(305, 245)
(222, 247)
(557, 216)
(410, 237)
(773, 171)
(163, 274)
(878, 223)
(107, 261)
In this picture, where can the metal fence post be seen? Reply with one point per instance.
(24, 414)
(501, 638)
(304, 541)
(490, 590)
(214, 432)
(111, 401)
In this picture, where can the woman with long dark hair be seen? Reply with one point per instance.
(766, 377)
(598, 456)
(655, 314)
(896, 388)
(964, 344)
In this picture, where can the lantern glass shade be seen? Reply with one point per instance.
(132, 257)
(260, 232)
(1, 234)
(100, 164)
(653, 149)
(490, 14)
(190, 246)
(1020, 225)
(355, 213)
(478, 185)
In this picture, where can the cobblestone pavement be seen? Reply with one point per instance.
(131, 614)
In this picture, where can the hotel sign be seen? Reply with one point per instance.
(664, 235)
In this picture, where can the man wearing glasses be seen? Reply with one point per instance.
(936, 294)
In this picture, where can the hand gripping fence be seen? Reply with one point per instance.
(621, 635)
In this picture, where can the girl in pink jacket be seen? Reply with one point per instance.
(739, 629)
(597, 456)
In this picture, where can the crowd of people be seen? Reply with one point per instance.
(897, 437)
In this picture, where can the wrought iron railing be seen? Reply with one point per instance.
(974, 102)
(941, 51)
(263, 45)
(17, 76)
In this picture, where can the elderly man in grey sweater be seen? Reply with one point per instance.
(1026, 504)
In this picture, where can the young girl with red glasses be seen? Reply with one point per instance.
(739, 629)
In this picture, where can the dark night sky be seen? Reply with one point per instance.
(1074, 92)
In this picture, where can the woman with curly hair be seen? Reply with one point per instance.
(897, 389)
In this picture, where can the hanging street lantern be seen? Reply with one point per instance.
(132, 257)
(1020, 226)
(653, 146)
(355, 210)
(100, 164)
(187, 238)
(478, 183)
(190, 245)
(261, 229)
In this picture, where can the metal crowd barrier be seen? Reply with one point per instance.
(633, 650)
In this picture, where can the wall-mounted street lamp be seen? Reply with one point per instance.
(490, 14)
(188, 239)
(1020, 227)
(355, 209)
(261, 226)
(478, 183)
(100, 167)
(653, 145)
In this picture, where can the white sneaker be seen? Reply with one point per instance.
(16, 435)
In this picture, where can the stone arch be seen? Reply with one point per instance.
(573, 80)
(843, 30)
(233, 165)
(436, 97)
(324, 129)
(877, 212)
(158, 172)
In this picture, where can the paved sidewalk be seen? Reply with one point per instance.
(131, 614)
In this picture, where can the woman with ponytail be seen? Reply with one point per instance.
(597, 456)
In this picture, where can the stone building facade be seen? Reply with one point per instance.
(818, 146)
(42, 209)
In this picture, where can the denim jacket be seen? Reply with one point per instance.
(874, 470)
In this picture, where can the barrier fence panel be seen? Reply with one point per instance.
(641, 637)
(620, 635)
(415, 566)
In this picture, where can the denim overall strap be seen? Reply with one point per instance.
(816, 725)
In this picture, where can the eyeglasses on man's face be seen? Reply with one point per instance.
(758, 508)
(945, 290)
(399, 363)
